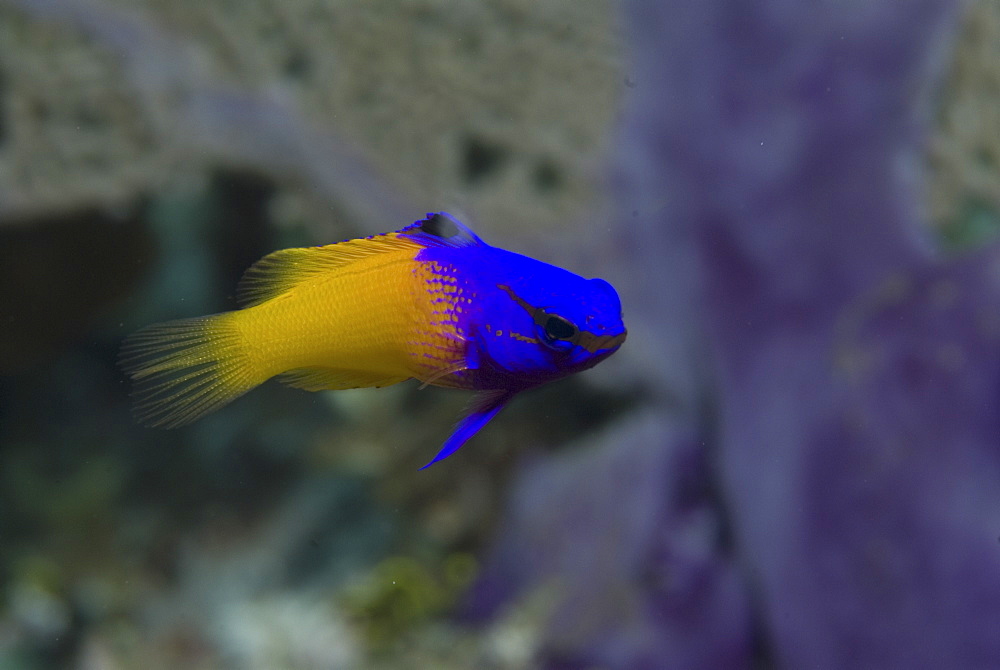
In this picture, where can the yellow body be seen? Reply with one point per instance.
(358, 313)
(359, 320)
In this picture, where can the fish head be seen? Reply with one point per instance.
(545, 324)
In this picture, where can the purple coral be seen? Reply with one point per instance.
(853, 447)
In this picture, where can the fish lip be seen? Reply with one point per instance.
(594, 343)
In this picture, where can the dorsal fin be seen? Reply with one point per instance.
(280, 271)
(441, 229)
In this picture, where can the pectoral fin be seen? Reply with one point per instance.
(483, 408)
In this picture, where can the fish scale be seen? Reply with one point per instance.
(349, 321)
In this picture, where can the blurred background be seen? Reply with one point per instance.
(793, 462)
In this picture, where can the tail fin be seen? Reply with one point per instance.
(182, 370)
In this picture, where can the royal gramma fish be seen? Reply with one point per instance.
(431, 302)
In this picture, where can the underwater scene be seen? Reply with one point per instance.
(501, 335)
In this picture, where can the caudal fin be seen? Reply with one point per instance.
(182, 370)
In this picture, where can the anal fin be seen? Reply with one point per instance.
(331, 379)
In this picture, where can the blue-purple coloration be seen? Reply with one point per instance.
(523, 322)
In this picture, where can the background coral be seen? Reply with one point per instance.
(499, 108)
(964, 148)
(814, 485)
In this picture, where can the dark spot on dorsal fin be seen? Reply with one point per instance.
(442, 229)
(439, 226)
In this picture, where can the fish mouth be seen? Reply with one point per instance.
(594, 343)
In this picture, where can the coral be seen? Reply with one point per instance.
(838, 370)
(964, 148)
(72, 133)
(499, 108)
(400, 594)
(623, 538)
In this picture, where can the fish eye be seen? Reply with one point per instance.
(558, 328)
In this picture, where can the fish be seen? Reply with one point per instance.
(430, 302)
